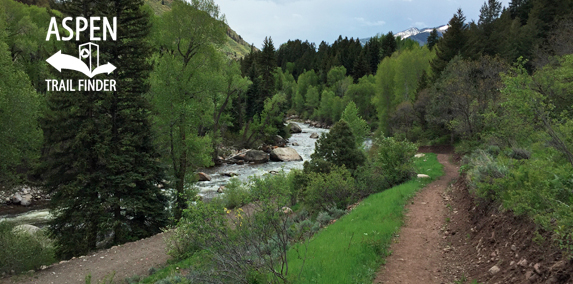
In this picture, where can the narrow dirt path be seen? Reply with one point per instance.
(127, 260)
(417, 253)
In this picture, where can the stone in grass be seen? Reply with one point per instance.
(423, 176)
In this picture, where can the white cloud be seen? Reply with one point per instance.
(369, 23)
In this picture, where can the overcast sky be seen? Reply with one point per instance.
(318, 20)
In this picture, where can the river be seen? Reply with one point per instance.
(208, 189)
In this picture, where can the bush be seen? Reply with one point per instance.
(395, 160)
(335, 189)
(249, 244)
(22, 251)
(236, 194)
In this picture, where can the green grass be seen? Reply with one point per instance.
(352, 249)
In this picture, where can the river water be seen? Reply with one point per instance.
(208, 189)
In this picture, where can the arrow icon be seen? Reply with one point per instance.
(63, 61)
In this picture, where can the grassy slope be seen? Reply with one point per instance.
(235, 47)
(352, 249)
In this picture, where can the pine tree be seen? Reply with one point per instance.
(101, 166)
(267, 63)
(339, 148)
(451, 44)
(389, 45)
(433, 39)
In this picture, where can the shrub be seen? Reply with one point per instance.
(249, 244)
(22, 251)
(323, 218)
(395, 160)
(336, 189)
(236, 194)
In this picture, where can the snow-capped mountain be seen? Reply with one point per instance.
(421, 36)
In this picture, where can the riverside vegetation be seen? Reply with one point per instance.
(499, 89)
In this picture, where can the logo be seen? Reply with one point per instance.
(87, 61)
(63, 61)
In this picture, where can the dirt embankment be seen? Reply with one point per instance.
(486, 243)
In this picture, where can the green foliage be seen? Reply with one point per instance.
(20, 136)
(245, 241)
(359, 127)
(395, 159)
(334, 189)
(396, 81)
(339, 147)
(452, 44)
(236, 194)
(23, 251)
(186, 86)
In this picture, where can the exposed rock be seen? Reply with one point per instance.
(280, 141)
(26, 228)
(239, 157)
(285, 154)
(16, 198)
(26, 200)
(494, 269)
(522, 262)
(266, 148)
(240, 162)
(286, 210)
(256, 156)
(560, 265)
(537, 268)
(314, 135)
(295, 144)
(273, 172)
(229, 174)
(423, 176)
(294, 128)
(203, 176)
(221, 189)
(420, 155)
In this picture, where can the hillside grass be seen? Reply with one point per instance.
(352, 249)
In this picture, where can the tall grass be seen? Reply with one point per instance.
(352, 249)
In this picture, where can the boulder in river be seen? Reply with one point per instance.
(280, 141)
(26, 200)
(221, 189)
(203, 176)
(230, 174)
(285, 154)
(256, 156)
(314, 135)
(16, 198)
(294, 128)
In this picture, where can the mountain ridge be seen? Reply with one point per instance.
(414, 33)
(235, 46)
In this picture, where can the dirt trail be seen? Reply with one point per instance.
(127, 260)
(417, 253)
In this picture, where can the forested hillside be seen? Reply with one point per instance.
(235, 46)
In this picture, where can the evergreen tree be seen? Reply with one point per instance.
(451, 44)
(338, 147)
(433, 39)
(267, 63)
(100, 164)
(389, 45)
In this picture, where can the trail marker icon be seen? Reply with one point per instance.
(63, 61)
